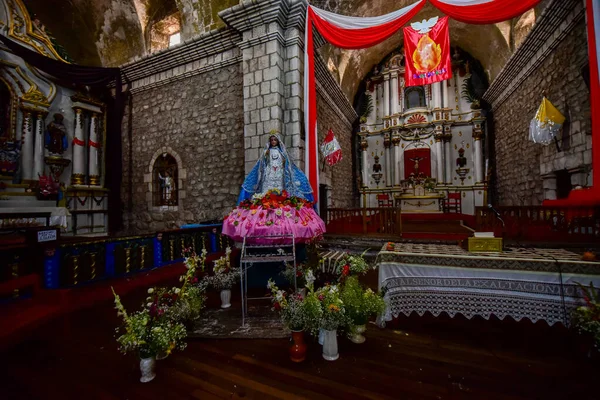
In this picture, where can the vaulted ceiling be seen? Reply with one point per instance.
(112, 32)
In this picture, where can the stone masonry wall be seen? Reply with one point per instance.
(525, 171)
(339, 176)
(201, 120)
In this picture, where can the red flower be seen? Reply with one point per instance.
(261, 214)
(346, 270)
(277, 306)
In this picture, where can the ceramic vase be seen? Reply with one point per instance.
(226, 298)
(356, 334)
(147, 369)
(330, 345)
(298, 347)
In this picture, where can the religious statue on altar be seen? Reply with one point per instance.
(276, 199)
(56, 136)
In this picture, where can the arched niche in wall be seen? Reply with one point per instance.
(414, 97)
(165, 179)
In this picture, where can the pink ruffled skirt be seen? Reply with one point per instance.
(304, 224)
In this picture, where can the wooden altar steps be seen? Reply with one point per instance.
(440, 229)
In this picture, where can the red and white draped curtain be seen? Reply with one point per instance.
(593, 25)
(356, 33)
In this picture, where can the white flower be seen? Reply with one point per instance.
(310, 277)
(151, 290)
(204, 252)
(278, 212)
(177, 290)
(228, 250)
(149, 304)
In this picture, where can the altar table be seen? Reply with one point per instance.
(537, 284)
(427, 203)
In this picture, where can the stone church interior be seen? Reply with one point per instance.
(299, 199)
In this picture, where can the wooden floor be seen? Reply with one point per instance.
(420, 358)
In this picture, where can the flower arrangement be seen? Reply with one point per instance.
(149, 331)
(587, 318)
(274, 199)
(360, 304)
(390, 246)
(289, 306)
(352, 265)
(333, 310)
(300, 274)
(224, 277)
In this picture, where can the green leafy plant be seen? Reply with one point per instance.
(360, 304)
(366, 108)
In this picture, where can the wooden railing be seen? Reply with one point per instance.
(77, 263)
(542, 223)
(382, 220)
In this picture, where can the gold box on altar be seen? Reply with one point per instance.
(485, 244)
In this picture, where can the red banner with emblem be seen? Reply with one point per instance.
(427, 54)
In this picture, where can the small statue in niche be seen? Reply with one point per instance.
(377, 175)
(56, 136)
(166, 186)
(461, 161)
(376, 166)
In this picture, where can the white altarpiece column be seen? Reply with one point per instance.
(38, 149)
(447, 157)
(364, 145)
(94, 146)
(27, 142)
(79, 160)
(444, 94)
(436, 95)
(386, 95)
(478, 162)
(388, 160)
(394, 83)
(439, 149)
(397, 153)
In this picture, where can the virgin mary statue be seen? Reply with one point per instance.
(276, 199)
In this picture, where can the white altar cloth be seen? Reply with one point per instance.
(464, 283)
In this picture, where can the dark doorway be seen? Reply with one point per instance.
(563, 184)
(323, 192)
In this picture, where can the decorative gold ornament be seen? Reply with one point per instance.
(94, 180)
(77, 179)
(34, 96)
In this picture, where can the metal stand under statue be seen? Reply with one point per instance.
(264, 253)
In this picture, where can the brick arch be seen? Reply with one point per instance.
(181, 180)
